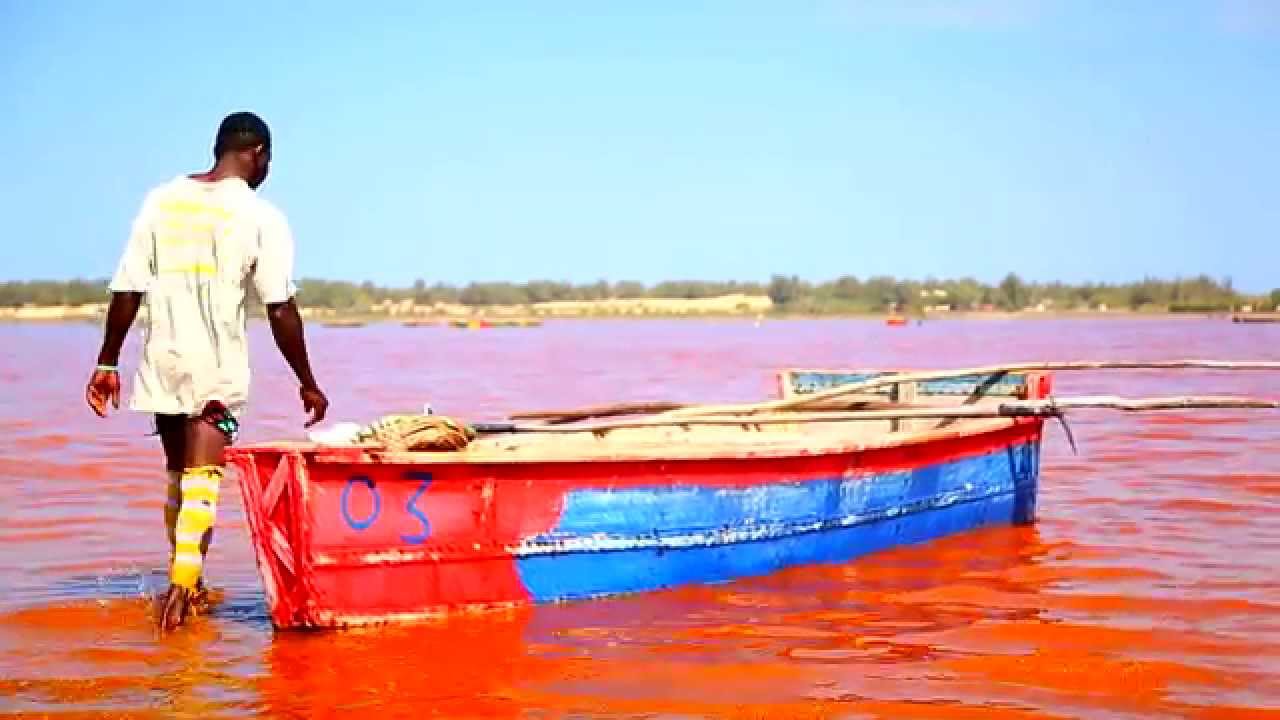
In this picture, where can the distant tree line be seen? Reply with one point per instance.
(789, 293)
(52, 292)
(880, 293)
(344, 295)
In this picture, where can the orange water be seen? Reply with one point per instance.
(1150, 587)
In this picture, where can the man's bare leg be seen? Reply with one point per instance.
(173, 436)
(204, 447)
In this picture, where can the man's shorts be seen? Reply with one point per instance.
(214, 413)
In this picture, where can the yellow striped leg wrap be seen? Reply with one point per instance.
(196, 515)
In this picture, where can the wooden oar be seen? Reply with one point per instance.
(557, 417)
(1020, 408)
(840, 390)
(553, 417)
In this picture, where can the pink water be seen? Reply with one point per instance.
(1150, 587)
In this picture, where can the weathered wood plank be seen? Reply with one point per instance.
(806, 382)
(903, 394)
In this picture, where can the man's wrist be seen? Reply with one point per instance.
(106, 367)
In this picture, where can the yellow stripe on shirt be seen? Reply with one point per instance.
(191, 207)
(198, 269)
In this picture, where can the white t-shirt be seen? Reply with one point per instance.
(194, 250)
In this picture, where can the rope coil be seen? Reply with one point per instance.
(417, 433)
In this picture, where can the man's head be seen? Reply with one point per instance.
(245, 137)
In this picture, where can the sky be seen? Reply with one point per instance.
(456, 142)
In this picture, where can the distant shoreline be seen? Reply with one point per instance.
(510, 316)
(347, 304)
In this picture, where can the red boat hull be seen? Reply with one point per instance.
(346, 537)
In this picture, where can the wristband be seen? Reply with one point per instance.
(108, 368)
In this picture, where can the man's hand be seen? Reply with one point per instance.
(314, 402)
(103, 386)
(286, 328)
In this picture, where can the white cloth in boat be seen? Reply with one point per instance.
(195, 250)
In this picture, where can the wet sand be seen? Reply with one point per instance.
(1148, 587)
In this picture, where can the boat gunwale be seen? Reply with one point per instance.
(373, 455)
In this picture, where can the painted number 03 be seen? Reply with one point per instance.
(410, 506)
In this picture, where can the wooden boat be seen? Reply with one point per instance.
(469, 324)
(357, 535)
(1256, 317)
(477, 323)
(517, 322)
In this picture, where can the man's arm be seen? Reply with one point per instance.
(121, 313)
(287, 329)
(132, 278)
(104, 385)
(272, 277)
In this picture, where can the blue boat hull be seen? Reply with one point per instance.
(620, 541)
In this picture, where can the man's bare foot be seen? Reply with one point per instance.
(177, 606)
(199, 601)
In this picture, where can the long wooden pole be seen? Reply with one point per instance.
(841, 390)
(593, 411)
(1015, 408)
(556, 417)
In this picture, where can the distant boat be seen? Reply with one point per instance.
(420, 323)
(517, 322)
(344, 323)
(1273, 317)
(895, 320)
(476, 323)
(471, 324)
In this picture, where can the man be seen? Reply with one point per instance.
(197, 245)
